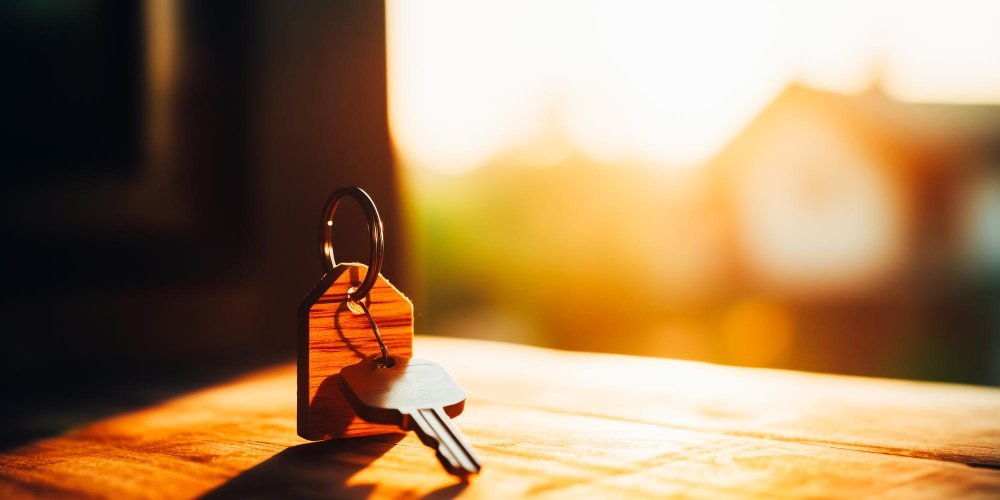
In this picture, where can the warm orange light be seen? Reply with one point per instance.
(757, 332)
(817, 211)
(657, 83)
(681, 339)
(646, 82)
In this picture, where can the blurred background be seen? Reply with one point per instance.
(803, 185)
(806, 185)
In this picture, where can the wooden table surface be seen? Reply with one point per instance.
(550, 424)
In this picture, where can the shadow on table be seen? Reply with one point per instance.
(44, 409)
(316, 470)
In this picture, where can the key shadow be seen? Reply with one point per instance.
(310, 470)
(323, 410)
(343, 309)
(317, 470)
(327, 410)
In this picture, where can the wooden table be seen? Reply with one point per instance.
(551, 423)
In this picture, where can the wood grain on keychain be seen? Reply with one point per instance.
(332, 336)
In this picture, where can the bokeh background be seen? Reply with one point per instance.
(807, 185)
(804, 185)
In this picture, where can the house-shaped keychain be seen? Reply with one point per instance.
(334, 330)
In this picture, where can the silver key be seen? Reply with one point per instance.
(413, 394)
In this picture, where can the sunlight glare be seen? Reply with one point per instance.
(663, 84)
(646, 82)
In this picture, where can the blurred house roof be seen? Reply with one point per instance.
(929, 134)
(927, 149)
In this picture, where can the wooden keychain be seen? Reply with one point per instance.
(335, 325)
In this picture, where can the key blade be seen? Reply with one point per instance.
(437, 431)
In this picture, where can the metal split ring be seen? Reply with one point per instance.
(374, 230)
(358, 294)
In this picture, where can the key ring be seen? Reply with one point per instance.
(375, 260)
(374, 229)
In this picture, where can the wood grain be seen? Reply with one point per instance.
(550, 424)
(938, 421)
(332, 336)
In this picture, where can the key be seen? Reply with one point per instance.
(417, 395)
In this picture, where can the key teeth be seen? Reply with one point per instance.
(456, 470)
